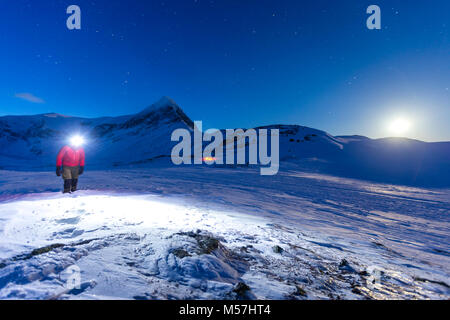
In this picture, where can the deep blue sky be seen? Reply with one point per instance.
(233, 63)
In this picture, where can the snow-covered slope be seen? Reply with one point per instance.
(216, 233)
(390, 160)
(143, 139)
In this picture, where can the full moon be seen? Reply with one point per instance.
(399, 126)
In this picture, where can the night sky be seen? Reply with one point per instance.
(234, 63)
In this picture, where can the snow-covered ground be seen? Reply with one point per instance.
(221, 233)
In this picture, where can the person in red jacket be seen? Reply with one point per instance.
(70, 163)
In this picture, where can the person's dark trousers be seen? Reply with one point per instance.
(67, 185)
(70, 176)
(74, 185)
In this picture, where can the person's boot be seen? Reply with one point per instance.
(74, 185)
(67, 185)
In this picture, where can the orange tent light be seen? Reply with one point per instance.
(209, 159)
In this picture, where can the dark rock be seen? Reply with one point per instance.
(46, 249)
(355, 290)
(299, 291)
(277, 249)
(241, 290)
(180, 253)
(344, 263)
(244, 249)
(206, 243)
(345, 267)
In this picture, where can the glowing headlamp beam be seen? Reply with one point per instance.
(76, 141)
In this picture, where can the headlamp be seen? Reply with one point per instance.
(77, 141)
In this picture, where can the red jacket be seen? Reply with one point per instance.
(70, 157)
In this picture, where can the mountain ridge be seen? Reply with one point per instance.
(31, 143)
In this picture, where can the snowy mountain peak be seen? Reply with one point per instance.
(162, 103)
(164, 109)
